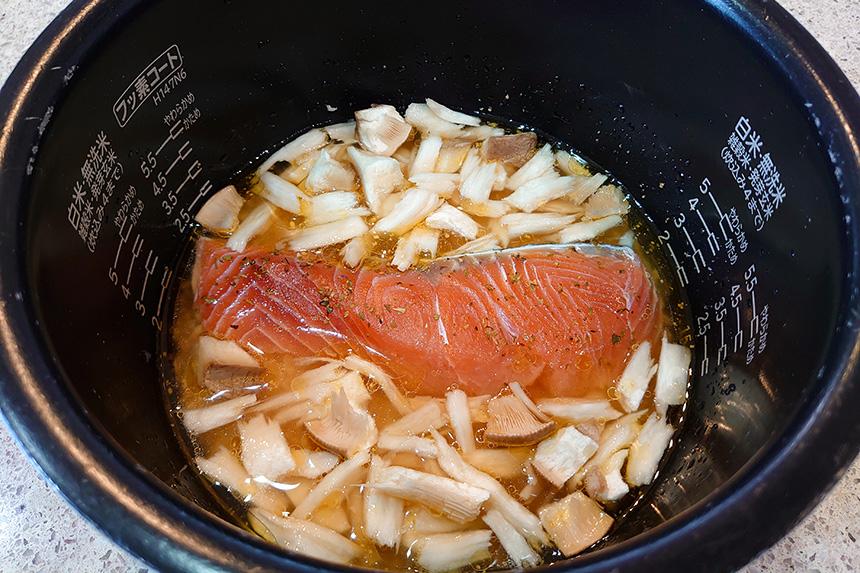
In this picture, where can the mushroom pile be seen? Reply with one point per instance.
(409, 188)
(438, 483)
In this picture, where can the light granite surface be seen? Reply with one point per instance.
(40, 532)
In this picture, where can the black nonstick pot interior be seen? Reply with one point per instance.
(726, 122)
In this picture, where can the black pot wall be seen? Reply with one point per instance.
(653, 92)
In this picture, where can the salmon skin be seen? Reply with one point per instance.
(560, 319)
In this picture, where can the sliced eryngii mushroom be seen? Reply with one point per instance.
(442, 552)
(478, 184)
(383, 514)
(647, 450)
(519, 224)
(449, 114)
(588, 230)
(501, 463)
(419, 241)
(333, 206)
(378, 375)
(443, 184)
(379, 176)
(673, 371)
(606, 201)
(328, 174)
(604, 482)
(518, 515)
(307, 537)
(356, 250)
(457, 404)
(513, 150)
(534, 486)
(281, 193)
(451, 156)
(539, 164)
(482, 244)
(312, 464)
(450, 218)
(342, 132)
(569, 165)
(576, 410)
(381, 129)
(254, 224)
(518, 391)
(220, 213)
(575, 523)
(221, 377)
(333, 516)
(265, 452)
(344, 430)
(350, 472)
(585, 186)
(313, 139)
(616, 435)
(424, 120)
(558, 458)
(412, 208)
(216, 352)
(422, 447)
(511, 423)
(514, 544)
(531, 195)
(635, 378)
(459, 501)
(421, 520)
(427, 417)
(425, 158)
(201, 420)
(332, 233)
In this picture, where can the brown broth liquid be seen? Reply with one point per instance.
(341, 511)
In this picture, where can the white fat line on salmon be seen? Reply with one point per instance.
(440, 326)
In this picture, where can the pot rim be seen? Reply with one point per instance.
(169, 532)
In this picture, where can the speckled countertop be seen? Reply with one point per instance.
(40, 532)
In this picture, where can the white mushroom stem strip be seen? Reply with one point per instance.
(540, 163)
(606, 201)
(617, 435)
(588, 230)
(312, 464)
(477, 185)
(425, 159)
(202, 420)
(450, 218)
(514, 544)
(213, 351)
(328, 233)
(427, 417)
(386, 384)
(383, 514)
(422, 447)
(443, 184)
(559, 458)
(356, 250)
(255, 223)
(549, 186)
(585, 187)
(424, 120)
(332, 206)
(479, 245)
(281, 193)
(518, 391)
(411, 246)
(449, 551)
(223, 468)
(533, 487)
(519, 224)
(265, 452)
(308, 538)
(673, 371)
(489, 208)
(220, 213)
(343, 132)
(604, 482)
(313, 139)
(381, 129)
(647, 450)
(576, 410)
(379, 176)
(636, 376)
(328, 174)
(518, 515)
(457, 405)
(449, 114)
(350, 472)
(415, 205)
(501, 463)
(459, 501)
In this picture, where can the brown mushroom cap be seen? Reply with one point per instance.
(343, 430)
(220, 377)
(514, 150)
(511, 423)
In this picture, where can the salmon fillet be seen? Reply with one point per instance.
(560, 319)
